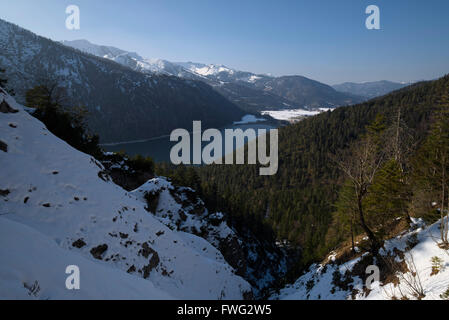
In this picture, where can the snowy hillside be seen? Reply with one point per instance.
(131, 59)
(418, 268)
(59, 208)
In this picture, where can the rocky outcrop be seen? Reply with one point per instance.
(259, 262)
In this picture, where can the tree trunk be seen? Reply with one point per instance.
(352, 233)
(443, 198)
(374, 242)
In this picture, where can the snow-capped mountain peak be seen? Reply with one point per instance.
(206, 69)
(189, 70)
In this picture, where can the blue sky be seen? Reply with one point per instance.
(325, 40)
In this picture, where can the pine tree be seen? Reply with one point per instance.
(387, 197)
(345, 216)
(432, 166)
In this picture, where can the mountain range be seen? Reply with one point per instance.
(370, 89)
(251, 92)
(133, 98)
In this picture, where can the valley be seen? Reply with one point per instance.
(176, 173)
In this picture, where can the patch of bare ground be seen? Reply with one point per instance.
(391, 266)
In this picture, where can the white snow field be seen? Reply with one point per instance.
(289, 114)
(418, 260)
(53, 197)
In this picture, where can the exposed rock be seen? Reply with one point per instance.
(33, 289)
(103, 175)
(234, 255)
(152, 199)
(259, 262)
(6, 108)
(131, 269)
(154, 261)
(3, 146)
(120, 170)
(79, 243)
(98, 251)
(146, 250)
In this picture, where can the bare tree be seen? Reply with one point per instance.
(360, 166)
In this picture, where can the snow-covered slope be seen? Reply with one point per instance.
(189, 70)
(58, 208)
(413, 271)
(33, 266)
(130, 59)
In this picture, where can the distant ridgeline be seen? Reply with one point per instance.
(298, 203)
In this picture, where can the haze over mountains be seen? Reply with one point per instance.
(370, 89)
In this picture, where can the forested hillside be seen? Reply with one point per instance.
(299, 203)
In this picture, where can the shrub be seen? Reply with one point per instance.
(437, 265)
(141, 163)
(68, 124)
